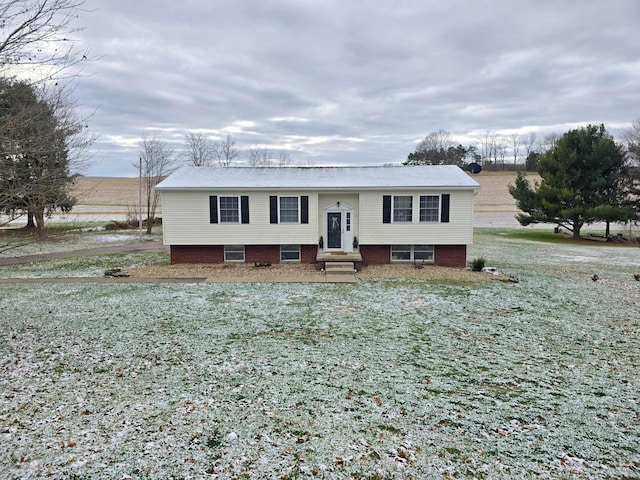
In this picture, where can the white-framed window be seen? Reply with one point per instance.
(289, 253)
(229, 210)
(289, 209)
(429, 208)
(423, 253)
(402, 208)
(234, 253)
(412, 253)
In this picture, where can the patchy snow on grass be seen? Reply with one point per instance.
(91, 266)
(70, 240)
(389, 378)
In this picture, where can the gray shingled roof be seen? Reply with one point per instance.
(318, 178)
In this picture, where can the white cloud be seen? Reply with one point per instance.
(354, 82)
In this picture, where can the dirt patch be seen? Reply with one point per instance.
(298, 272)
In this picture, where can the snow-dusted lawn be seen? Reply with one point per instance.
(62, 241)
(383, 379)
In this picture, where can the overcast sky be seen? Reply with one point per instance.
(352, 82)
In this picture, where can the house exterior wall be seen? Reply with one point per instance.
(186, 221)
(194, 239)
(459, 229)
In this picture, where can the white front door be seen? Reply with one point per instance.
(339, 230)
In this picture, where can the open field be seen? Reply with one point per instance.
(386, 378)
(122, 191)
(107, 198)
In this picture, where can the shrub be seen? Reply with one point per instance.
(477, 264)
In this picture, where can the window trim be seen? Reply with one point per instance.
(436, 209)
(228, 249)
(239, 209)
(275, 216)
(393, 208)
(214, 209)
(290, 222)
(283, 249)
(412, 252)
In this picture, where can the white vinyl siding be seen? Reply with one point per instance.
(458, 231)
(186, 214)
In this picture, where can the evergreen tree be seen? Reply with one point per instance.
(35, 175)
(585, 178)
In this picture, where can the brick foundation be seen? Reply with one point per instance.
(252, 253)
(451, 255)
(444, 255)
(375, 254)
(196, 254)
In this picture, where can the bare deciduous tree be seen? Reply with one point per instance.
(38, 33)
(199, 149)
(631, 137)
(548, 142)
(158, 161)
(516, 143)
(258, 156)
(225, 151)
(488, 147)
(439, 140)
(284, 159)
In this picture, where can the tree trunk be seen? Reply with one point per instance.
(30, 221)
(608, 229)
(38, 215)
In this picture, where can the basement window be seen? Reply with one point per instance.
(289, 253)
(234, 253)
(412, 253)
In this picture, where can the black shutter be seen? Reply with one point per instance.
(273, 209)
(386, 209)
(304, 209)
(444, 209)
(244, 208)
(213, 209)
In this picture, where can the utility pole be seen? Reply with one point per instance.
(140, 199)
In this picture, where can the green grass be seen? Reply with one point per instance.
(82, 266)
(540, 235)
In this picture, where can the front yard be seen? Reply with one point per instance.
(388, 378)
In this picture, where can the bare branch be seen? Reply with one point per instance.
(158, 161)
(38, 33)
(200, 150)
(226, 151)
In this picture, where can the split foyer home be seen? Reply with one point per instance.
(366, 215)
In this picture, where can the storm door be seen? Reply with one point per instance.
(334, 230)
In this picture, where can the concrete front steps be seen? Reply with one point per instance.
(340, 272)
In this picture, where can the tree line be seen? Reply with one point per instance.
(493, 151)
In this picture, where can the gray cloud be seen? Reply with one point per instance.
(353, 82)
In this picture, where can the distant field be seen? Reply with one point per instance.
(121, 191)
